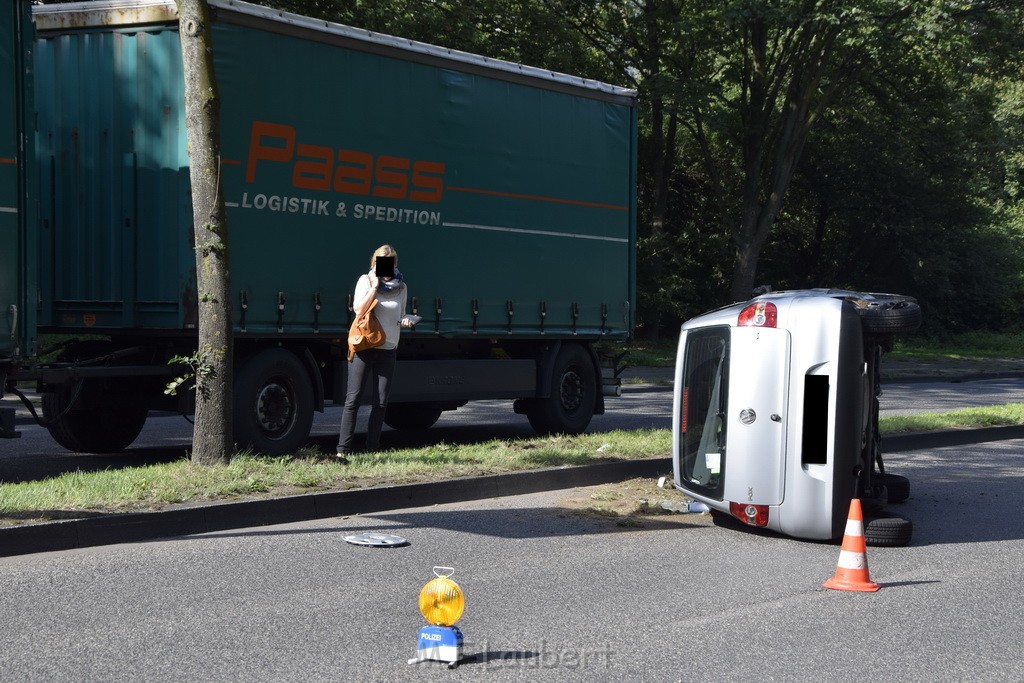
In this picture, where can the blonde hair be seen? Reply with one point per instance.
(383, 250)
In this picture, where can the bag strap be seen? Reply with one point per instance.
(369, 308)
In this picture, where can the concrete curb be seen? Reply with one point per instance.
(181, 521)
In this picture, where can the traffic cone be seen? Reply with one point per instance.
(852, 570)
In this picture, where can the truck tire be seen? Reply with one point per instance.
(411, 416)
(273, 403)
(94, 415)
(570, 406)
(109, 428)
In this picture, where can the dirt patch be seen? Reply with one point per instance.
(634, 502)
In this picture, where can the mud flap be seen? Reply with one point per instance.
(7, 430)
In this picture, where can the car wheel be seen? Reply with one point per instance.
(888, 315)
(897, 488)
(887, 531)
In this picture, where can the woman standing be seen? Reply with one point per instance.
(387, 286)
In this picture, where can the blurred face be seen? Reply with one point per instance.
(384, 278)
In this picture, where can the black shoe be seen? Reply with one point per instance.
(342, 457)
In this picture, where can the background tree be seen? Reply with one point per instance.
(781, 66)
(213, 441)
(904, 186)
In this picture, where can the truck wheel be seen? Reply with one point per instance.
(94, 415)
(886, 531)
(411, 416)
(109, 428)
(573, 391)
(273, 403)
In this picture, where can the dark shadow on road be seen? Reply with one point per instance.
(897, 584)
(499, 657)
(515, 524)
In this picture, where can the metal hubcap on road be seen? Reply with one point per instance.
(274, 408)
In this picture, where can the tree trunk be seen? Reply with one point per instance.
(213, 441)
(749, 242)
(662, 160)
(774, 135)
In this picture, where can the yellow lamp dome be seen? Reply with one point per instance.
(442, 602)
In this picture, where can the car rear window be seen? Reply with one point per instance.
(703, 418)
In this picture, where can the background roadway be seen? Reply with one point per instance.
(645, 405)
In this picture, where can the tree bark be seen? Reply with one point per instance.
(212, 442)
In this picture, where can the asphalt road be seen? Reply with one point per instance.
(909, 398)
(551, 596)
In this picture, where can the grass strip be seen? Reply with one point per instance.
(963, 418)
(961, 346)
(152, 487)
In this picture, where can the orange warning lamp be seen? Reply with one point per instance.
(441, 600)
(441, 604)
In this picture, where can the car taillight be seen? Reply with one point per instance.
(754, 515)
(759, 314)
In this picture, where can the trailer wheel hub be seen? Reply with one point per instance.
(274, 408)
(571, 391)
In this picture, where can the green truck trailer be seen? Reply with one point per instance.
(508, 191)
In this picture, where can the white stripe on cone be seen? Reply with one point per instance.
(848, 560)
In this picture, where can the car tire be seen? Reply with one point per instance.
(889, 315)
(897, 488)
(887, 531)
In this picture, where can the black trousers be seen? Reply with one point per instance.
(380, 363)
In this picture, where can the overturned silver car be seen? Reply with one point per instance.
(776, 411)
